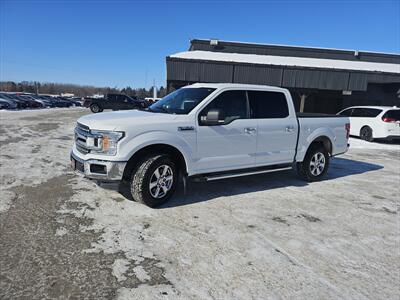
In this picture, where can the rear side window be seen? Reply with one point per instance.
(366, 112)
(393, 114)
(267, 105)
(233, 104)
(112, 97)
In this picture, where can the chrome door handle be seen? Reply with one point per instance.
(250, 130)
(289, 128)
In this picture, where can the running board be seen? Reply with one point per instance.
(212, 177)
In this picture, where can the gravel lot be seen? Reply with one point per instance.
(259, 237)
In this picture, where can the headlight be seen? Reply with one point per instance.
(104, 142)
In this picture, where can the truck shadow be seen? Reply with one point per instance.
(205, 191)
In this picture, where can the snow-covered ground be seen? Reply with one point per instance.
(356, 143)
(258, 237)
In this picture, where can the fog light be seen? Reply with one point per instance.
(99, 169)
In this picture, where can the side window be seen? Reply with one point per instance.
(113, 97)
(268, 105)
(366, 112)
(233, 105)
(372, 112)
(346, 112)
(358, 112)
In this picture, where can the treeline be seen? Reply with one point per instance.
(77, 90)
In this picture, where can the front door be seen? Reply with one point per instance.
(232, 144)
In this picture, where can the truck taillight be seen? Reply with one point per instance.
(347, 126)
(388, 120)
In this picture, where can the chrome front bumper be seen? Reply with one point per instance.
(98, 169)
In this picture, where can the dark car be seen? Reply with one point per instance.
(114, 102)
(45, 102)
(20, 103)
(32, 102)
(71, 101)
(7, 104)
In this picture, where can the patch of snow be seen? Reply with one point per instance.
(361, 144)
(61, 231)
(120, 267)
(5, 200)
(141, 273)
(289, 61)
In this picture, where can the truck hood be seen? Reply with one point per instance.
(119, 120)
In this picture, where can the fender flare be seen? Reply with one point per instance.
(158, 138)
(322, 132)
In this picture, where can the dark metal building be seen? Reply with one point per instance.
(320, 80)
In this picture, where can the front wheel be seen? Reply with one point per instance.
(154, 181)
(315, 164)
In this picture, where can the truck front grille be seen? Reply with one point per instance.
(81, 134)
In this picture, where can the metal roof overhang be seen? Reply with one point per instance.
(290, 76)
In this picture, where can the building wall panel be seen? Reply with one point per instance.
(211, 72)
(358, 82)
(258, 75)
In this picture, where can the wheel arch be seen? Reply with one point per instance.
(364, 126)
(175, 153)
(323, 141)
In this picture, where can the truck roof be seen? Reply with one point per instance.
(233, 85)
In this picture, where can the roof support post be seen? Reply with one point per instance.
(302, 102)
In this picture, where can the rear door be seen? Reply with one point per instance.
(231, 145)
(110, 101)
(125, 102)
(277, 129)
(363, 116)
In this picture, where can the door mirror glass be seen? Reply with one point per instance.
(214, 117)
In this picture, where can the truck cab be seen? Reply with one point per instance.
(206, 132)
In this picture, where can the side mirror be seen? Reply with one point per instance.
(214, 117)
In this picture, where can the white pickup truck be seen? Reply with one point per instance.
(206, 132)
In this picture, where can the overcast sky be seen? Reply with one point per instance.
(121, 43)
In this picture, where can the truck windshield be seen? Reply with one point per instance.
(181, 101)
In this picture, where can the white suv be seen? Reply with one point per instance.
(374, 122)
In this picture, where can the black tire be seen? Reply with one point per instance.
(142, 175)
(305, 168)
(95, 108)
(366, 134)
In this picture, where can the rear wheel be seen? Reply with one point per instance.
(366, 134)
(95, 108)
(154, 180)
(315, 164)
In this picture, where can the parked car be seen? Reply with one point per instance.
(114, 102)
(32, 102)
(45, 102)
(206, 132)
(373, 122)
(21, 104)
(71, 101)
(8, 104)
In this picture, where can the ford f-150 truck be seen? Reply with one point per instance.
(206, 132)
